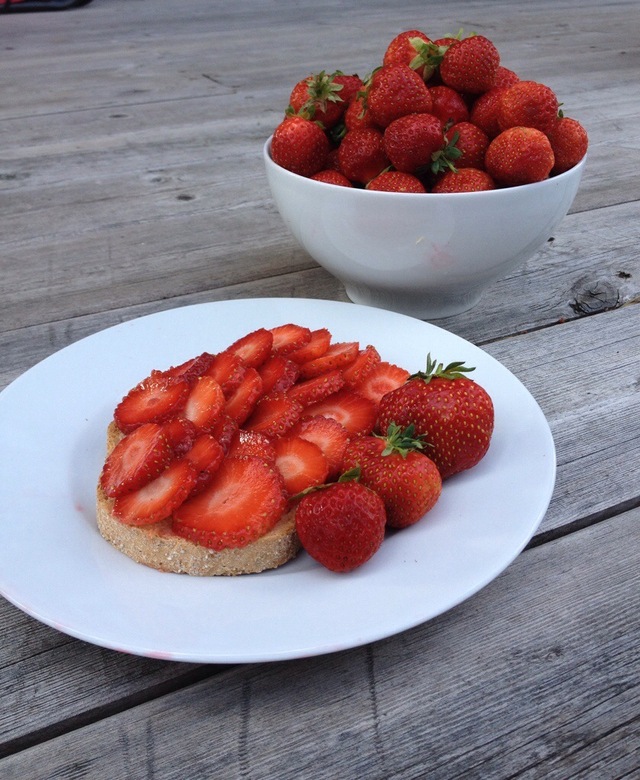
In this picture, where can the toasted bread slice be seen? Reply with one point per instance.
(156, 546)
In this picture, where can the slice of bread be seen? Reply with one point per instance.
(156, 546)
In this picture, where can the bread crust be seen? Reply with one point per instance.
(156, 546)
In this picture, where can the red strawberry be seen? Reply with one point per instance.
(278, 374)
(528, 104)
(309, 391)
(352, 410)
(190, 369)
(411, 141)
(341, 525)
(136, 459)
(254, 444)
(157, 499)
(394, 466)
(224, 429)
(452, 412)
(569, 141)
(301, 463)
(505, 77)
(316, 346)
(227, 369)
(243, 502)
(332, 177)
(394, 91)
(396, 181)
(412, 48)
(253, 348)
(153, 400)
(206, 454)
(318, 98)
(448, 105)
(464, 180)
(300, 146)
(471, 142)
(241, 402)
(470, 65)
(382, 379)
(180, 433)
(350, 84)
(329, 435)
(205, 402)
(361, 154)
(365, 361)
(287, 338)
(519, 155)
(274, 414)
(357, 116)
(484, 111)
(338, 355)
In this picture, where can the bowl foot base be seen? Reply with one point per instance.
(423, 306)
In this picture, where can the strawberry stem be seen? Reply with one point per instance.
(455, 370)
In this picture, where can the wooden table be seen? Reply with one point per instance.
(131, 181)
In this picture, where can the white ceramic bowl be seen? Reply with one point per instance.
(426, 255)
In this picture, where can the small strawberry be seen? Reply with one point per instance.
(361, 155)
(412, 142)
(397, 469)
(382, 379)
(448, 105)
(318, 97)
(332, 177)
(136, 459)
(452, 412)
(155, 399)
(394, 91)
(519, 155)
(274, 414)
(569, 141)
(350, 83)
(396, 181)
(528, 104)
(278, 374)
(464, 180)
(309, 391)
(412, 48)
(353, 411)
(301, 463)
(341, 525)
(484, 111)
(470, 65)
(253, 348)
(227, 514)
(317, 345)
(300, 146)
(471, 142)
(205, 402)
(157, 499)
(357, 116)
(329, 435)
(337, 355)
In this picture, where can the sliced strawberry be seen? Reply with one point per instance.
(382, 379)
(316, 346)
(330, 435)
(224, 430)
(301, 463)
(240, 403)
(158, 498)
(352, 410)
(254, 348)
(318, 387)
(227, 369)
(274, 414)
(288, 338)
(206, 453)
(135, 460)
(355, 372)
(153, 400)
(205, 402)
(254, 444)
(243, 502)
(337, 355)
(181, 434)
(278, 374)
(190, 369)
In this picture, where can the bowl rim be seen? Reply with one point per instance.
(498, 192)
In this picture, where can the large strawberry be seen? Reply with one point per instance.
(361, 154)
(452, 412)
(528, 104)
(300, 145)
(394, 91)
(412, 142)
(415, 49)
(569, 141)
(519, 155)
(319, 98)
(397, 467)
(470, 65)
(341, 525)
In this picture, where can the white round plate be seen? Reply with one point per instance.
(55, 566)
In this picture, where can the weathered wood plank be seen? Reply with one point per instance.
(534, 675)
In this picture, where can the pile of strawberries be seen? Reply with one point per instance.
(286, 417)
(437, 116)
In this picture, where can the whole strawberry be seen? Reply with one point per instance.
(300, 146)
(528, 104)
(341, 525)
(569, 141)
(519, 155)
(361, 155)
(412, 141)
(415, 49)
(464, 180)
(318, 97)
(394, 91)
(470, 65)
(452, 412)
(396, 181)
(471, 142)
(394, 466)
(448, 105)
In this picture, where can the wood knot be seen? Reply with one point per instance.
(594, 296)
